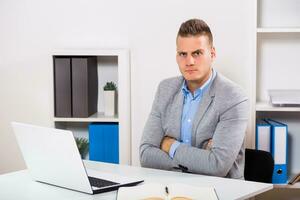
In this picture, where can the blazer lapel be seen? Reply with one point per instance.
(205, 102)
(175, 119)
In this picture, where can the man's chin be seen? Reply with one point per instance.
(192, 79)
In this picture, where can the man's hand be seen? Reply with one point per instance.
(208, 146)
(166, 144)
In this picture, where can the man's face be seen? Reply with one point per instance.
(194, 58)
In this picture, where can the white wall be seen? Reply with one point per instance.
(30, 30)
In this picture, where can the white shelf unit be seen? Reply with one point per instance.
(295, 186)
(267, 107)
(113, 65)
(97, 117)
(287, 186)
(277, 47)
(278, 30)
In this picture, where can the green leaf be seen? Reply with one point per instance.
(83, 146)
(110, 86)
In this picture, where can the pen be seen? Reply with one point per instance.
(167, 192)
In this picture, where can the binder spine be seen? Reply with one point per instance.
(263, 136)
(62, 87)
(104, 142)
(279, 144)
(84, 86)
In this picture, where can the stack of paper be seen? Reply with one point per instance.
(285, 97)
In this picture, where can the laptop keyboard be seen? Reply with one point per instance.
(96, 182)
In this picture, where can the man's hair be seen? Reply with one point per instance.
(195, 27)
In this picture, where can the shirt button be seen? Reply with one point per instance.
(189, 120)
(186, 141)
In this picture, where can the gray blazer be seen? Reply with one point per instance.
(222, 115)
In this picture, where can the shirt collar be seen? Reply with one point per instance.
(200, 90)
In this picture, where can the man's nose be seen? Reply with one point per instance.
(190, 61)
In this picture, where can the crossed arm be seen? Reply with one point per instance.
(168, 141)
(216, 159)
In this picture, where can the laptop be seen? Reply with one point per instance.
(52, 157)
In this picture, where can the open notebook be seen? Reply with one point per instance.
(176, 191)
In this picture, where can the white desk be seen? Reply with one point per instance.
(18, 185)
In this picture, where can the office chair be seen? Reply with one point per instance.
(259, 166)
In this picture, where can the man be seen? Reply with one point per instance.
(198, 121)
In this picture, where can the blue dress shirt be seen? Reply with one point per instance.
(190, 106)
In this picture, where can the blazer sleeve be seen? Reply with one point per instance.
(150, 153)
(228, 139)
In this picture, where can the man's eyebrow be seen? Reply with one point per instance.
(197, 51)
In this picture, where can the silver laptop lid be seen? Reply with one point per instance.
(52, 157)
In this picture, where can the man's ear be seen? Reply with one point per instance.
(213, 53)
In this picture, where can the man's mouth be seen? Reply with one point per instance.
(190, 71)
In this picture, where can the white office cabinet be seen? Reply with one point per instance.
(113, 65)
(277, 66)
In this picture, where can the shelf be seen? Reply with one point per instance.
(113, 65)
(266, 106)
(278, 30)
(89, 52)
(97, 117)
(295, 186)
(276, 37)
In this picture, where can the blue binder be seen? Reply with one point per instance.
(279, 151)
(104, 142)
(263, 136)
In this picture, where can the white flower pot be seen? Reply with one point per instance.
(109, 103)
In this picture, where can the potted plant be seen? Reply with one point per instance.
(83, 146)
(110, 92)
